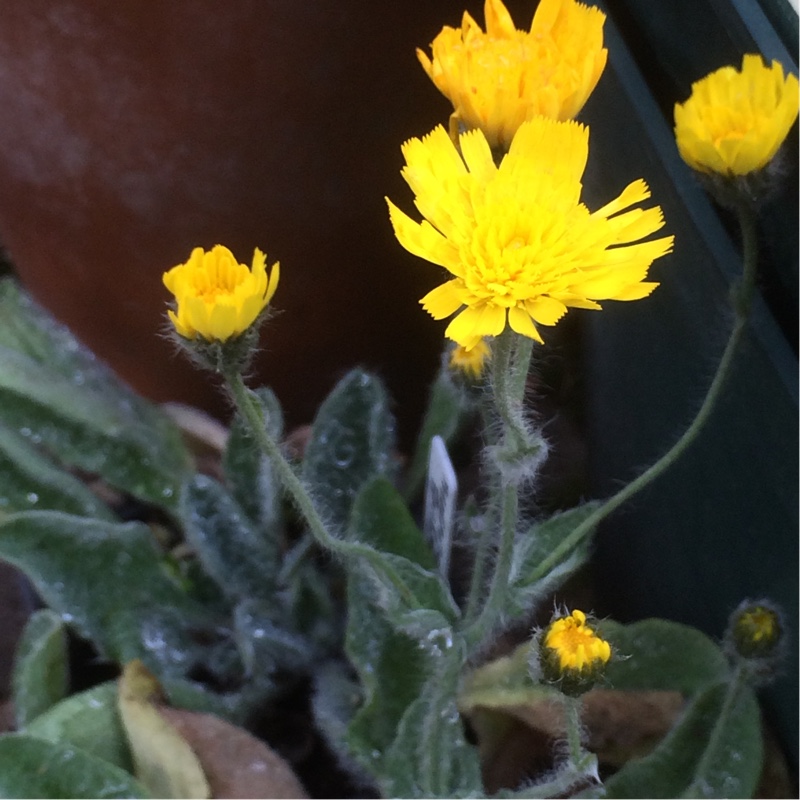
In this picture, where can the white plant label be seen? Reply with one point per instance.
(441, 489)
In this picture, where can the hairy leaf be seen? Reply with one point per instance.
(351, 442)
(41, 669)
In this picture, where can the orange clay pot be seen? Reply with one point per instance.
(132, 132)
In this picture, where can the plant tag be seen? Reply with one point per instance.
(440, 503)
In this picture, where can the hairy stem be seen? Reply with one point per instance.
(572, 719)
(518, 444)
(741, 300)
(251, 413)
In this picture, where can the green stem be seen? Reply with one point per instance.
(479, 570)
(510, 364)
(577, 773)
(294, 486)
(521, 367)
(741, 299)
(486, 536)
(508, 406)
(572, 719)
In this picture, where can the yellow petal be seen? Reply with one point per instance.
(545, 310)
(442, 301)
(462, 328)
(422, 239)
(498, 20)
(520, 321)
(477, 155)
(633, 193)
(273, 281)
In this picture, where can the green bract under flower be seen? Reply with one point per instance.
(518, 241)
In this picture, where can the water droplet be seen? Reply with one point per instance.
(26, 432)
(730, 787)
(167, 491)
(257, 766)
(66, 617)
(344, 454)
(450, 714)
(154, 640)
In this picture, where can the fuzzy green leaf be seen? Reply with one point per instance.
(29, 480)
(41, 670)
(351, 442)
(239, 557)
(661, 654)
(402, 589)
(391, 669)
(236, 707)
(531, 578)
(447, 409)
(33, 767)
(335, 701)
(713, 751)
(248, 473)
(265, 644)
(503, 683)
(59, 396)
(390, 664)
(88, 720)
(429, 756)
(382, 519)
(110, 582)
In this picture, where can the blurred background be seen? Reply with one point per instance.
(131, 133)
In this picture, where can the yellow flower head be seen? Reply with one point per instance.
(520, 245)
(498, 79)
(470, 362)
(756, 629)
(734, 122)
(216, 297)
(572, 654)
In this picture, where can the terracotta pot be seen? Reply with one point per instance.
(132, 132)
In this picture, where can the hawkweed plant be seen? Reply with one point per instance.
(327, 565)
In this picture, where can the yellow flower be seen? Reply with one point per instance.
(572, 648)
(498, 79)
(734, 122)
(216, 297)
(519, 243)
(470, 362)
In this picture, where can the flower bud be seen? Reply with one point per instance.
(571, 654)
(756, 635)
(471, 362)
